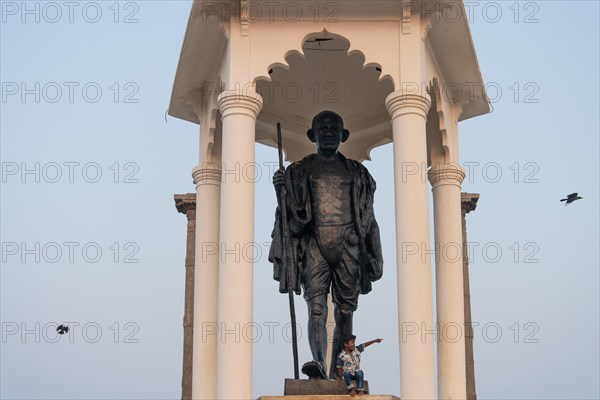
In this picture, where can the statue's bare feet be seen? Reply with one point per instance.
(352, 392)
(361, 392)
(314, 370)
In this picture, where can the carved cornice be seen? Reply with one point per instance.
(468, 201)
(185, 202)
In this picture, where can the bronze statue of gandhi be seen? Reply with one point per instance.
(334, 239)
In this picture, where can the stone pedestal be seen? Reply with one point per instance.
(312, 387)
(331, 397)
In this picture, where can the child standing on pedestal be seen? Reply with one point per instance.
(348, 364)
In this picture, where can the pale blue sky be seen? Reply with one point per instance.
(544, 299)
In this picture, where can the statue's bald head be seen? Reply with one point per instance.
(326, 125)
(327, 114)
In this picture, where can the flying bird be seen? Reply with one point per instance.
(62, 329)
(571, 198)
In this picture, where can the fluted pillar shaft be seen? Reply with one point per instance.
(234, 347)
(207, 178)
(446, 181)
(415, 310)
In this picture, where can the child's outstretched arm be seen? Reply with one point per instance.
(370, 342)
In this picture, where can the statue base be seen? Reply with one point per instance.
(331, 397)
(307, 387)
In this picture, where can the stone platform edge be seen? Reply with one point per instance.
(331, 397)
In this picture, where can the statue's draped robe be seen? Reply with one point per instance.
(299, 214)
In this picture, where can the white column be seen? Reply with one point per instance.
(234, 347)
(446, 180)
(207, 178)
(415, 308)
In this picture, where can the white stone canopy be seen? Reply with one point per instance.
(397, 72)
(299, 76)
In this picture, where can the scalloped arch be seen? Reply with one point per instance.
(349, 52)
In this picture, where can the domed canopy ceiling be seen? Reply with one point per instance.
(325, 77)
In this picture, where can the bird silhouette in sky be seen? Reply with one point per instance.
(62, 329)
(571, 198)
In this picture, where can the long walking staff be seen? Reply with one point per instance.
(286, 258)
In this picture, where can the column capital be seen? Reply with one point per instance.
(399, 103)
(233, 102)
(186, 203)
(207, 174)
(468, 201)
(446, 174)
